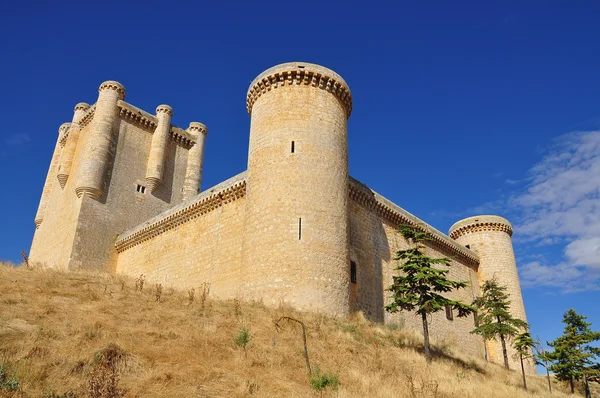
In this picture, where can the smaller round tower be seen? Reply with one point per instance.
(490, 237)
(158, 147)
(66, 160)
(97, 152)
(193, 171)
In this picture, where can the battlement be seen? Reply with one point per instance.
(396, 215)
(296, 73)
(480, 223)
(223, 193)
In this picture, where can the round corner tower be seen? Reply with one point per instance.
(490, 237)
(296, 239)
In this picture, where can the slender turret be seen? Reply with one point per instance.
(70, 145)
(158, 147)
(490, 237)
(296, 244)
(39, 217)
(100, 142)
(193, 172)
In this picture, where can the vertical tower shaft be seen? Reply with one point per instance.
(490, 238)
(66, 160)
(158, 147)
(296, 246)
(39, 217)
(193, 172)
(101, 140)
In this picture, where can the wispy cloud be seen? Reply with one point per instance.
(561, 204)
(18, 139)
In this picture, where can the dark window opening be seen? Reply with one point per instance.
(449, 314)
(352, 272)
(299, 228)
(141, 188)
(293, 146)
(468, 246)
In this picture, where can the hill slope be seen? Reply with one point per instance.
(78, 332)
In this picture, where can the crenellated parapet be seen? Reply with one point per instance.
(300, 73)
(149, 122)
(480, 224)
(114, 86)
(226, 192)
(396, 216)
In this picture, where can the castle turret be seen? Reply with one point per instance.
(158, 147)
(296, 247)
(490, 238)
(193, 172)
(68, 152)
(100, 144)
(39, 217)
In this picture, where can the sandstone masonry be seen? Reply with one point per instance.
(123, 195)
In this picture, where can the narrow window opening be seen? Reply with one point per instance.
(300, 229)
(301, 66)
(352, 272)
(449, 314)
(141, 188)
(475, 321)
(293, 146)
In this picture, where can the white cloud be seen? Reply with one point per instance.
(561, 203)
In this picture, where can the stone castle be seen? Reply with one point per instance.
(123, 195)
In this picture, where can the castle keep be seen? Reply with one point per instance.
(123, 195)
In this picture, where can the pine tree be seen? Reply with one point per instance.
(572, 356)
(523, 345)
(494, 317)
(421, 281)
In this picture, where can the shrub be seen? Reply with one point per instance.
(242, 339)
(320, 381)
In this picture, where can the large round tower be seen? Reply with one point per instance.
(490, 238)
(296, 240)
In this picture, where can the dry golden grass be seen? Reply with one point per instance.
(54, 327)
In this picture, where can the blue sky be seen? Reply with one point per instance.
(460, 108)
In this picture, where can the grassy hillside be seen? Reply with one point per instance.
(70, 334)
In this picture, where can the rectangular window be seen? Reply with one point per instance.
(293, 146)
(300, 229)
(449, 314)
(352, 272)
(141, 188)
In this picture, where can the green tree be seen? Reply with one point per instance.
(421, 281)
(523, 345)
(572, 357)
(494, 319)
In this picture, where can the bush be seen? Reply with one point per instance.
(7, 383)
(320, 382)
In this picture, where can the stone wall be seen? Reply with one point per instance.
(80, 232)
(374, 242)
(122, 206)
(197, 242)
